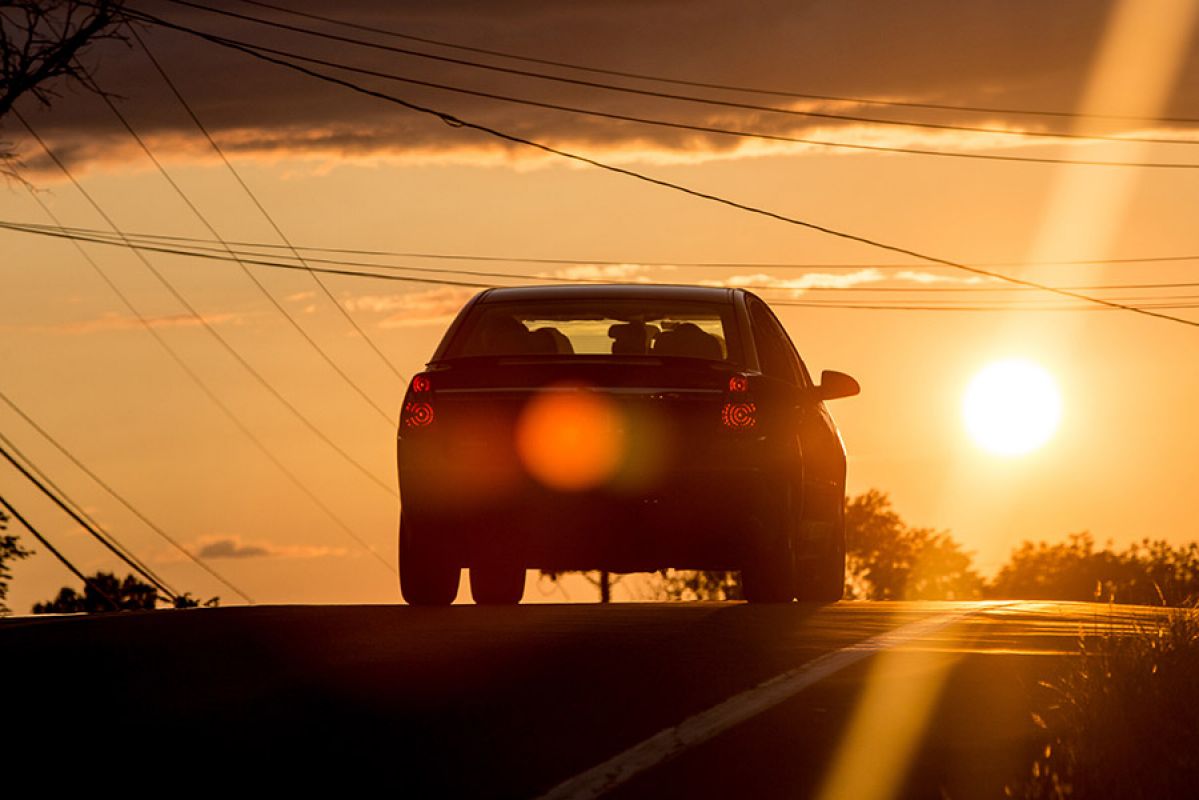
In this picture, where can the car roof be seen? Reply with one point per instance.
(609, 291)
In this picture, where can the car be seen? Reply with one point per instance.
(624, 428)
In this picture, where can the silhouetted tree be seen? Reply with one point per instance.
(10, 550)
(186, 600)
(41, 41)
(1149, 572)
(602, 580)
(677, 584)
(129, 594)
(887, 560)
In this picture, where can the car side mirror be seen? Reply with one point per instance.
(836, 384)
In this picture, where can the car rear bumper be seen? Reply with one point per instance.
(712, 518)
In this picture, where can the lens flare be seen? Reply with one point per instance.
(570, 440)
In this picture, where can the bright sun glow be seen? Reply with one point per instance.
(1012, 407)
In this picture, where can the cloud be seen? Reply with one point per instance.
(234, 547)
(440, 305)
(600, 272)
(982, 53)
(807, 280)
(931, 277)
(797, 285)
(408, 309)
(117, 322)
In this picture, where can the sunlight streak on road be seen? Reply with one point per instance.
(888, 725)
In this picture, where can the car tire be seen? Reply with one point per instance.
(821, 579)
(770, 575)
(497, 584)
(428, 577)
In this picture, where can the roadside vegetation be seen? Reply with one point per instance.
(105, 592)
(10, 550)
(1145, 573)
(1120, 720)
(887, 559)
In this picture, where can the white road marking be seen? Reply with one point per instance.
(701, 727)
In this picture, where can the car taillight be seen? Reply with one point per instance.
(418, 403)
(739, 412)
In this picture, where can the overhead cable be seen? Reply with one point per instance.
(228, 347)
(54, 551)
(97, 533)
(276, 55)
(121, 499)
(198, 247)
(279, 307)
(709, 101)
(712, 85)
(458, 122)
(582, 261)
(366, 338)
(1106, 306)
(192, 375)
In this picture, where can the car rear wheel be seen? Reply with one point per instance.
(821, 579)
(769, 577)
(497, 584)
(428, 577)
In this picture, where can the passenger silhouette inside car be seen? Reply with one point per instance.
(507, 336)
(632, 338)
(503, 335)
(688, 340)
(550, 340)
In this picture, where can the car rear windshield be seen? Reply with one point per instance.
(599, 328)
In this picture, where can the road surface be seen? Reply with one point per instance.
(629, 700)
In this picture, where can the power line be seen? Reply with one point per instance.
(203, 245)
(85, 520)
(708, 85)
(232, 351)
(96, 529)
(1003, 306)
(214, 256)
(97, 533)
(120, 499)
(456, 121)
(673, 96)
(261, 51)
(55, 552)
(199, 250)
(258, 204)
(577, 261)
(245, 270)
(195, 378)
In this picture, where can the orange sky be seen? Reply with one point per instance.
(1121, 465)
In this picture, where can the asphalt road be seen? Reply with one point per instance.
(861, 699)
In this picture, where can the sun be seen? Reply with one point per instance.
(1012, 407)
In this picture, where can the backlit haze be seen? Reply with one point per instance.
(341, 170)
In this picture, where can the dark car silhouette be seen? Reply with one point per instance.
(622, 428)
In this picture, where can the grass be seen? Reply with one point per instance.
(1122, 720)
